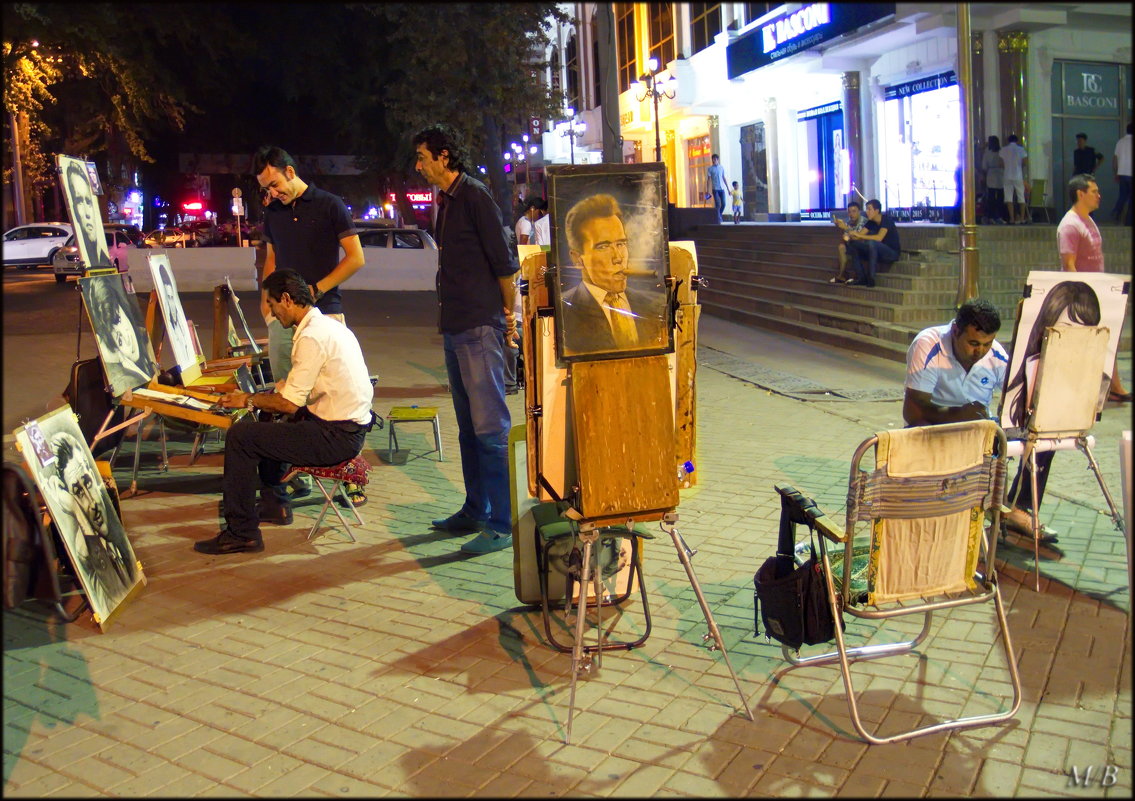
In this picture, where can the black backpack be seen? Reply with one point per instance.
(792, 599)
(23, 534)
(92, 402)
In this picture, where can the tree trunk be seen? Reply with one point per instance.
(494, 164)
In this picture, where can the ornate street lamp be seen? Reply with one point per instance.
(651, 87)
(576, 129)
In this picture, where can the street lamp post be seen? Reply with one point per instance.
(654, 90)
(576, 128)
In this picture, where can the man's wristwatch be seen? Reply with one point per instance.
(316, 292)
(248, 401)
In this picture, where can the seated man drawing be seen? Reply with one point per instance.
(327, 392)
(953, 369)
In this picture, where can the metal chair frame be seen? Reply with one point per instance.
(842, 600)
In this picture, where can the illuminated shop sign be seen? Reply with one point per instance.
(415, 197)
(828, 108)
(939, 81)
(799, 30)
(1090, 90)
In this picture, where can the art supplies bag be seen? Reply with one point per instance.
(790, 598)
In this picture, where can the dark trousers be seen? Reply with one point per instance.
(513, 378)
(474, 362)
(995, 203)
(256, 451)
(719, 202)
(1025, 500)
(1124, 199)
(865, 257)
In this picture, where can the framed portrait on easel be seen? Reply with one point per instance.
(173, 313)
(83, 206)
(80, 507)
(611, 259)
(120, 334)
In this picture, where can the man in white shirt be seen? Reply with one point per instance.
(952, 370)
(524, 224)
(1016, 168)
(328, 393)
(541, 229)
(1121, 166)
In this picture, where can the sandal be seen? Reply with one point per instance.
(355, 493)
(837, 280)
(1047, 535)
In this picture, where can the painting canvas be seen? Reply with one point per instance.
(81, 508)
(1051, 298)
(123, 344)
(83, 206)
(609, 250)
(173, 314)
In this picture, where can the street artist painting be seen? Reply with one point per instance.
(1079, 298)
(609, 247)
(81, 509)
(123, 344)
(83, 206)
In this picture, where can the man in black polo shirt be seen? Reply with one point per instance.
(304, 228)
(475, 297)
(878, 241)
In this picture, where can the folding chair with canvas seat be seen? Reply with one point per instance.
(926, 549)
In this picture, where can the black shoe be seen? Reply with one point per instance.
(227, 542)
(279, 514)
(457, 522)
(855, 282)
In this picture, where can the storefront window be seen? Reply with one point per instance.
(922, 135)
(757, 10)
(698, 157)
(624, 42)
(662, 33)
(822, 159)
(571, 62)
(705, 23)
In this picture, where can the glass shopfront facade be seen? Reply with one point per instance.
(920, 148)
(822, 160)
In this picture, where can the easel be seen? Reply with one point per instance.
(1072, 359)
(611, 468)
(227, 341)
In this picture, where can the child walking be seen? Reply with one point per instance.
(736, 202)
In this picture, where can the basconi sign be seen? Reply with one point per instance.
(796, 24)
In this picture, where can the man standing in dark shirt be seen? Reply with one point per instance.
(879, 241)
(476, 294)
(1086, 159)
(304, 228)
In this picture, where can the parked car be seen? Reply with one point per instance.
(204, 232)
(403, 258)
(133, 233)
(66, 261)
(172, 237)
(27, 246)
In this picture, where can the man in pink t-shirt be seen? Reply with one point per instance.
(1079, 240)
(1081, 249)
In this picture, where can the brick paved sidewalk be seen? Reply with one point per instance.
(398, 666)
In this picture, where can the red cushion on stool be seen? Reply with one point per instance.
(353, 471)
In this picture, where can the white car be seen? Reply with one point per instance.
(66, 261)
(400, 259)
(27, 246)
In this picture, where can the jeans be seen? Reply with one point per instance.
(475, 363)
(719, 202)
(1124, 199)
(874, 252)
(257, 451)
(1025, 499)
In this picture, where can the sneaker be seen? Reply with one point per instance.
(457, 522)
(227, 542)
(854, 282)
(300, 486)
(487, 542)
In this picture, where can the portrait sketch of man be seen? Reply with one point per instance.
(84, 210)
(173, 314)
(611, 254)
(123, 344)
(81, 509)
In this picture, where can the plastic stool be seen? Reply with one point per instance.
(412, 414)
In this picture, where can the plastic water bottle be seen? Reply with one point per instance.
(684, 470)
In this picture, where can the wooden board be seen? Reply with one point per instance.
(624, 436)
(554, 426)
(529, 305)
(684, 266)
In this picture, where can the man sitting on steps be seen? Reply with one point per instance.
(878, 242)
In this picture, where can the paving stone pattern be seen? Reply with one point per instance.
(397, 666)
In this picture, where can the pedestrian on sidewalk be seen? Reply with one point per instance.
(877, 242)
(327, 395)
(993, 167)
(1121, 166)
(1085, 159)
(718, 186)
(476, 297)
(304, 228)
(952, 370)
(1016, 181)
(738, 198)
